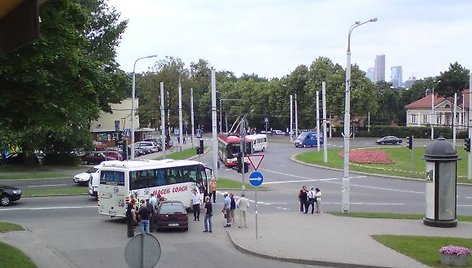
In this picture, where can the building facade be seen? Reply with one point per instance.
(438, 111)
(379, 68)
(396, 76)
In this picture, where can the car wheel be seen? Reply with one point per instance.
(185, 229)
(6, 200)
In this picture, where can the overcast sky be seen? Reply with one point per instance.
(272, 37)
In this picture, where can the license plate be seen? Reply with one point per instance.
(173, 224)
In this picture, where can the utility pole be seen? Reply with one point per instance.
(214, 148)
(163, 122)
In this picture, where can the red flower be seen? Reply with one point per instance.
(368, 157)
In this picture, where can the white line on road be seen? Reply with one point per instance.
(45, 185)
(45, 208)
(333, 180)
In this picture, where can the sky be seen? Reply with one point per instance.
(271, 38)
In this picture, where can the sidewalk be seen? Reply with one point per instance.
(327, 240)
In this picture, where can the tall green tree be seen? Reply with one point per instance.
(454, 80)
(62, 80)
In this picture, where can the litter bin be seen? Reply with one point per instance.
(441, 184)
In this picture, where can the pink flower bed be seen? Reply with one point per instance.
(368, 157)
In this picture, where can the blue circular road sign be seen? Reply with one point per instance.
(256, 178)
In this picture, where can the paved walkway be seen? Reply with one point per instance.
(327, 240)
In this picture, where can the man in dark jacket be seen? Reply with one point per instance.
(303, 198)
(144, 215)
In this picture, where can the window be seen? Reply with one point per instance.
(425, 119)
(158, 177)
(413, 118)
(112, 177)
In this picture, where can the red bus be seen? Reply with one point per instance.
(228, 148)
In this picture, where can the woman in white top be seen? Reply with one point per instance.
(196, 202)
(318, 200)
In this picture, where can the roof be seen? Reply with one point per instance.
(145, 164)
(425, 102)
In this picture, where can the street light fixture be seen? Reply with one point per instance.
(347, 118)
(133, 93)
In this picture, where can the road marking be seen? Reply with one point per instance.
(45, 185)
(366, 203)
(333, 180)
(282, 208)
(46, 208)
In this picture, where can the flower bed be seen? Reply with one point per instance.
(454, 255)
(368, 157)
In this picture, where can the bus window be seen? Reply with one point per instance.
(112, 178)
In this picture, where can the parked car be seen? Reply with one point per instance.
(276, 132)
(84, 177)
(147, 146)
(114, 155)
(171, 215)
(9, 194)
(389, 140)
(96, 157)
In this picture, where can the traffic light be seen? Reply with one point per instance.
(239, 163)
(467, 144)
(410, 142)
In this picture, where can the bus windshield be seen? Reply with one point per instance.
(164, 176)
(110, 177)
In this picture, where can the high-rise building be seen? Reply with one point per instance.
(397, 76)
(379, 68)
(370, 73)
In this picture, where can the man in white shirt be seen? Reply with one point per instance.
(242, 204)
(196, 201)
(311, 201)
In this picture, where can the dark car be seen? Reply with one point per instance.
(9, 194)
(171, 215)
(95, 158)
(389, 140)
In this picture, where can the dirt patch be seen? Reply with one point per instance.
(368, 157)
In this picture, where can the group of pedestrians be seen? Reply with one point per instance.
(309, 198)
(143, 214)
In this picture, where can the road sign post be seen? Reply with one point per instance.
(256, 179)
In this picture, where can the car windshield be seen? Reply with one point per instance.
(169, 208)
(92, 170)
(302, 136)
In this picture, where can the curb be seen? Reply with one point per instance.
(298, 261)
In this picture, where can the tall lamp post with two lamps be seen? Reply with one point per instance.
(133, 94)
(347, 118)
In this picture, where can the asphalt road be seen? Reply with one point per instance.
(72, 226)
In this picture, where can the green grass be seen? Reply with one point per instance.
(402, 167)
(11, 256)
(8, 226)
(420, 248)
(224, 183)
(382, 215)
(59, 191)
(179, 155)
(14, 258)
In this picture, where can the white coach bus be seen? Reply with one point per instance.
(171, 179)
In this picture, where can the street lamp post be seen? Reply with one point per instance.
(347, 118)
(133, 94)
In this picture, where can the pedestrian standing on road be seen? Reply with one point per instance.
(318, 200)
(212, 186)
(130, 219)
(151, 208)
(208, 214)
(243, 205)
(226, 209)
(311, 201)
(144, 214)
(232, 207)
(303, 198)
(196, 202)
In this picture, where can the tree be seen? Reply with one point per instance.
(454, 80)
(62, 80)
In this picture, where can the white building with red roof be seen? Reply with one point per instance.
(438, 111)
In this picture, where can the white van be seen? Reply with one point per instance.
(258, 142)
